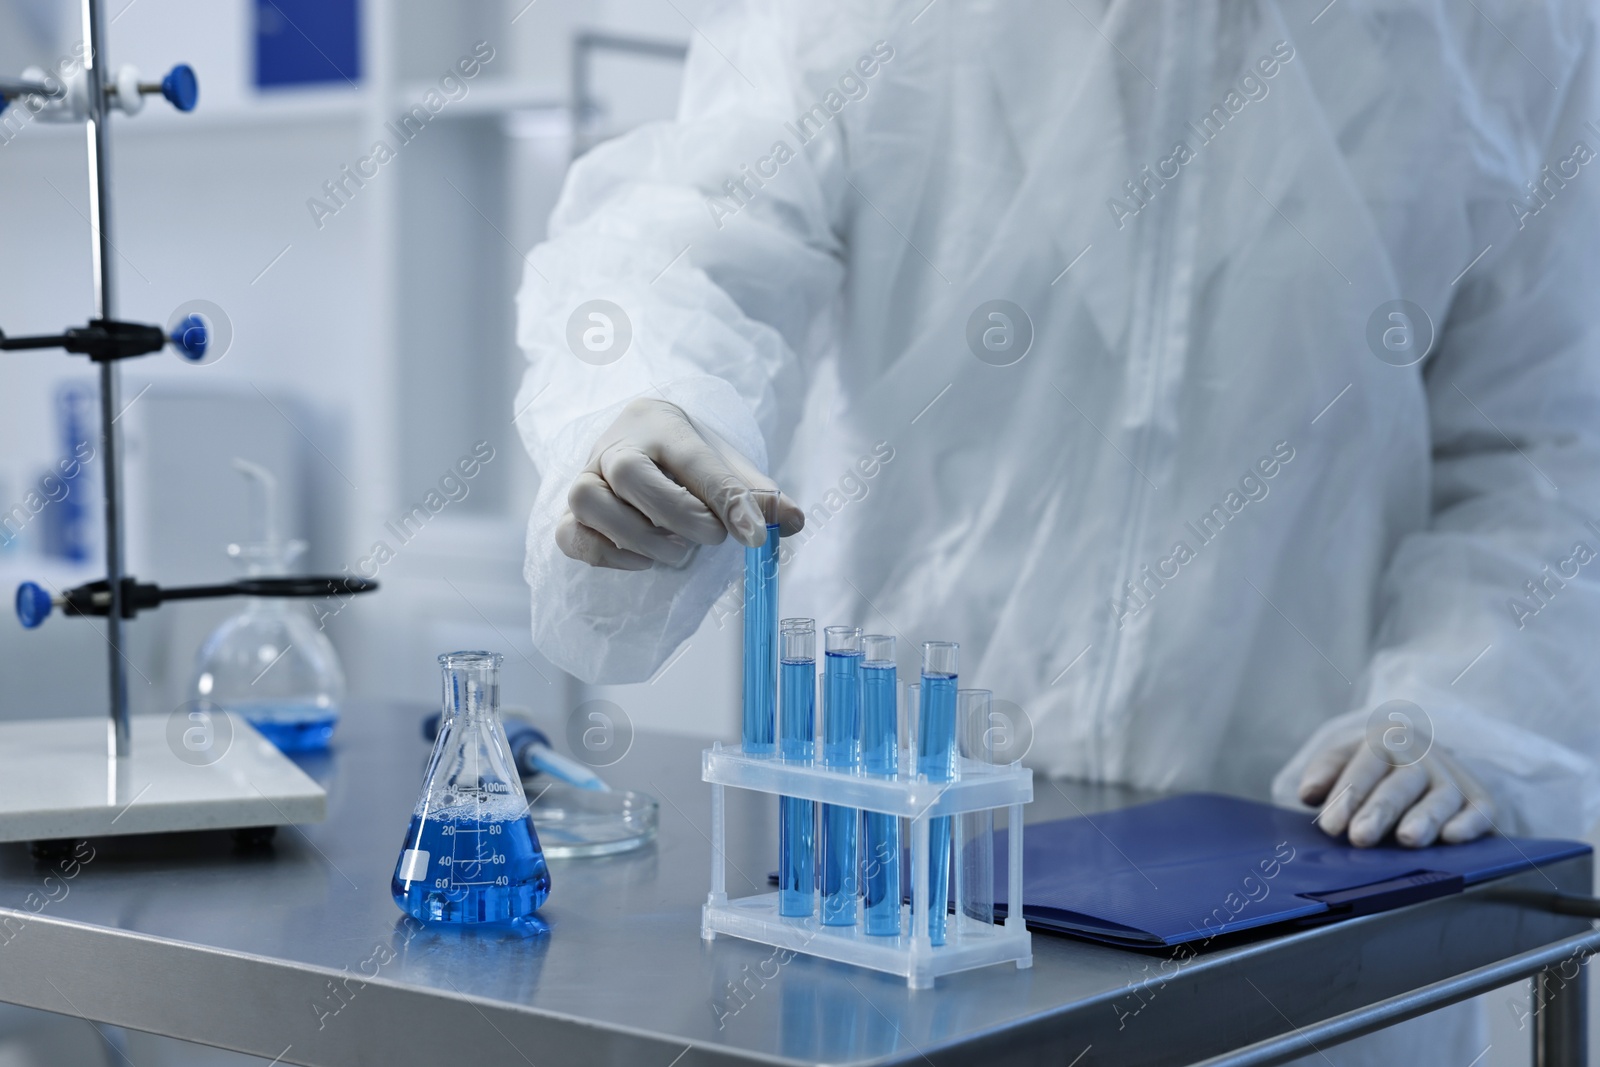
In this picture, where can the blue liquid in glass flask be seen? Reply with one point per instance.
(271, 664)
(471, 854)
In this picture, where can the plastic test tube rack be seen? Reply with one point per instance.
(969, 942)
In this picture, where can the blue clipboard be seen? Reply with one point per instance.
(1190, 867)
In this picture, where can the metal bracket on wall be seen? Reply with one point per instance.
(585, 108)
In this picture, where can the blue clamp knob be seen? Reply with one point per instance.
(192, 337)
(33, 604)
(181, 87)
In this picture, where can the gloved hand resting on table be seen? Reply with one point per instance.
(655, 486)
(1367, 794)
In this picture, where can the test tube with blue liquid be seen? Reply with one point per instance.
(936, 762)
(880, 757)
(841, 750)
(761, 633)
(797, 731)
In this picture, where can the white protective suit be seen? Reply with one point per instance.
(1200, 521)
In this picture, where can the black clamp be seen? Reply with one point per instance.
(34, 603)
(105, 340)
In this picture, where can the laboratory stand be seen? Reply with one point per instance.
(118, 775)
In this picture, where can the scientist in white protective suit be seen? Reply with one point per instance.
(1218, 374)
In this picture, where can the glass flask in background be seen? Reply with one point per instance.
(271, 664)
(471, 854)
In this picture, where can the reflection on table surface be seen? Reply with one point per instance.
(623, 945)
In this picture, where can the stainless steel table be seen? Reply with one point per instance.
(300, 954)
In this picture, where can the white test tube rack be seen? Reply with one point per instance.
(969, 942)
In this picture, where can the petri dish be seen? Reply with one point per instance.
(576, 822)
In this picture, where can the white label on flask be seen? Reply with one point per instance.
(414, 865)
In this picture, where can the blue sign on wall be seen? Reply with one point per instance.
(307, 42)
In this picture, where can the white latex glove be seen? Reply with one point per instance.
(1368, 795)
(655, 486)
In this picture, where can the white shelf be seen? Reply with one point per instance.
(292, 111)
(318, 107)
(486, 98)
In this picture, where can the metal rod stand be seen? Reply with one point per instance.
(110, 377)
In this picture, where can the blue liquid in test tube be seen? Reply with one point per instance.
(880, 756)
(797, 731)
(841, 750)
(761, 634)
(936, 761)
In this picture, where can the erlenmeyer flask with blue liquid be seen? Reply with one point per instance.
(471, 854)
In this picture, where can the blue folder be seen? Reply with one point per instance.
(1190, 867)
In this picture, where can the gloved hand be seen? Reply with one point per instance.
(655, 486)
(1368, 794)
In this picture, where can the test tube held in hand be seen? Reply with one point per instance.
(936, 761)
(841, 750)
(880, 756)
(761, 633)
(797, 730)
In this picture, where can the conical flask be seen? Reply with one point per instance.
(471, 854)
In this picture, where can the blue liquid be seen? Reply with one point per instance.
(760, 645)
(477, 869)
(306, 735)
(839, 884)
(797, 819)
(880, 873)
(799, 725)
(841, 750)
(880, 755)
(936, 759)
(297, 727)
(880, 735)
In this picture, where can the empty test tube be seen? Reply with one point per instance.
(841, 750)
(936, 761)
(975, 829)
(797, 728)
(880, 756)
(761, 633)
